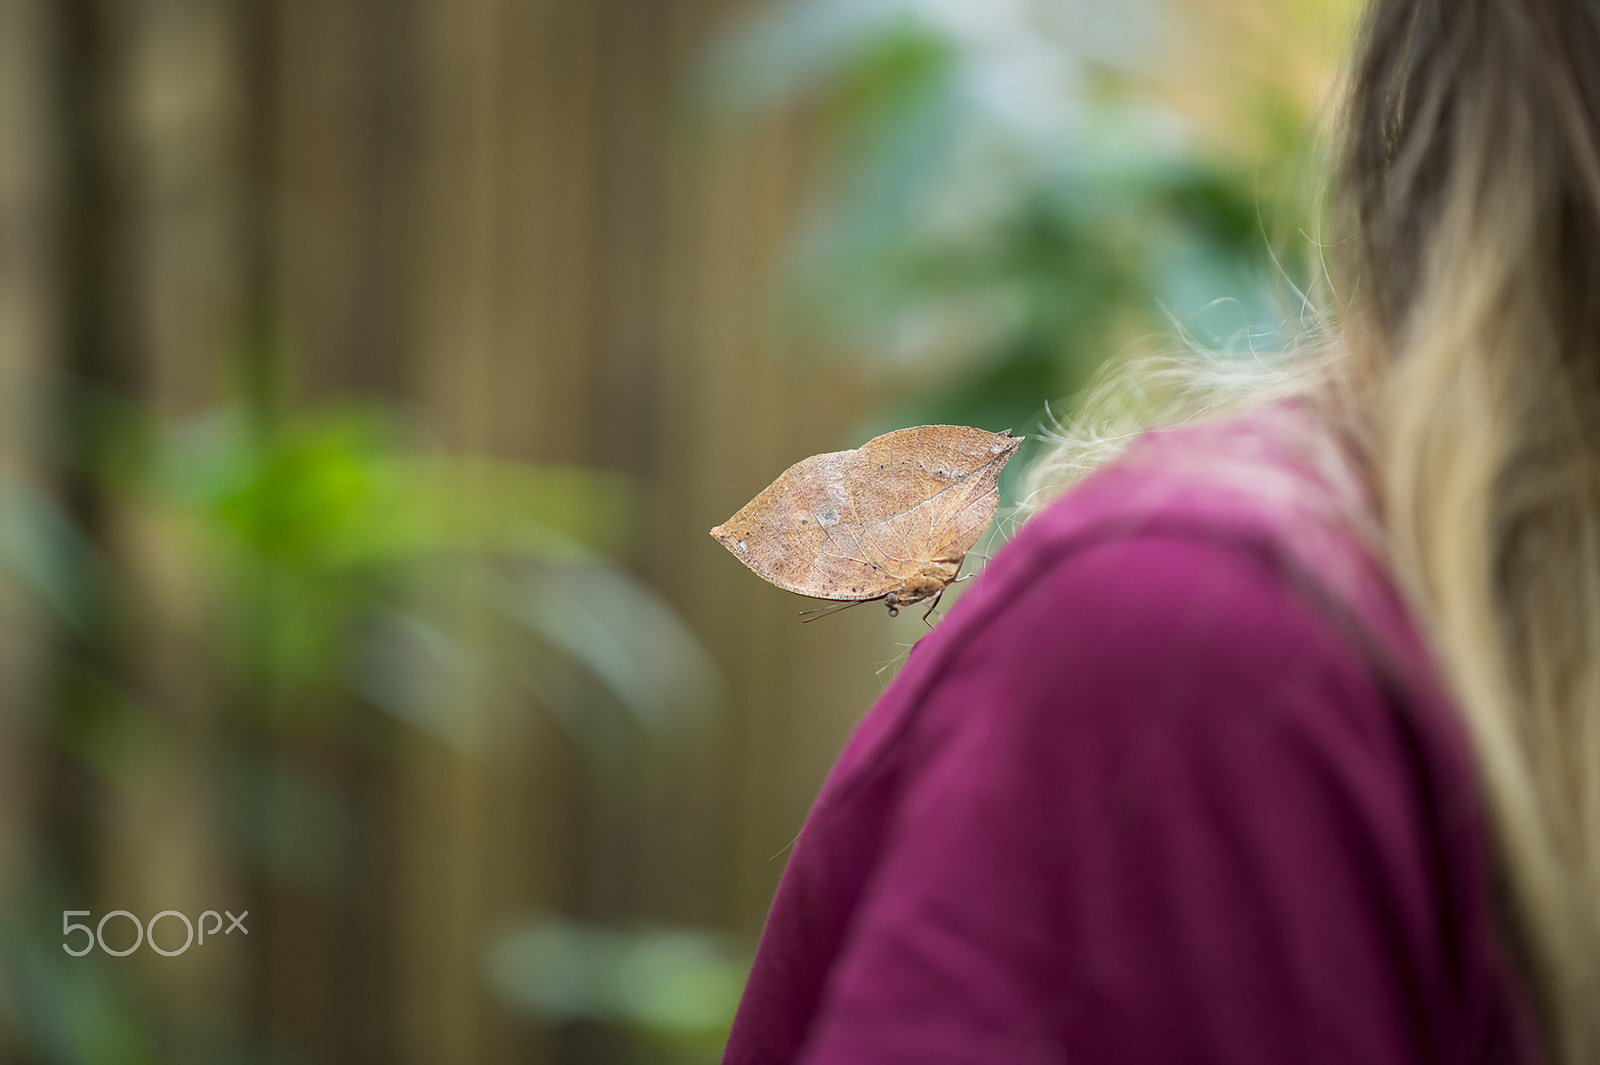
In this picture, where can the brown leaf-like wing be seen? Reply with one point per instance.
(927, 493)
(800, 534)
(854, 525)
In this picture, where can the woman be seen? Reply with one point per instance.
(1278, 738)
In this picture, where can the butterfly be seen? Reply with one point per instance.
(890, 520)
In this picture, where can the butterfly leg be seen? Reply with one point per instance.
(954, 579)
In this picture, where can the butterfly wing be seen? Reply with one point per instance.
(800, 533)
(927, 493)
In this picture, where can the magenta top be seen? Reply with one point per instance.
(1172, 783)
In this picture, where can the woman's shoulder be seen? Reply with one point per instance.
(1267, 496)
(1178, 702)
(1274, 484)
(1228, 567)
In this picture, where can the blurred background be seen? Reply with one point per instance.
(370, 373)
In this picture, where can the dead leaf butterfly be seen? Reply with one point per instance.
(890, 520)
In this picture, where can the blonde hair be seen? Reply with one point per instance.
(1465, 361)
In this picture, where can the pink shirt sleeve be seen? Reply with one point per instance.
(1155, 808)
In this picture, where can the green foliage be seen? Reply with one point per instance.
(1007, 200)
(675, 986)
(295, 550)
(324, 577)
(310, 526)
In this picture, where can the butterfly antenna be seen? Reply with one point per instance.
(808, 616)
